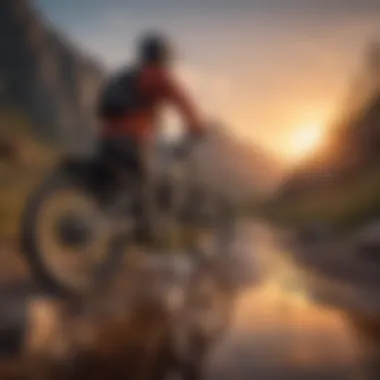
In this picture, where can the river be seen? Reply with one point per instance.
(279, 332)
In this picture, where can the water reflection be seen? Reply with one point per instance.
(279, 331)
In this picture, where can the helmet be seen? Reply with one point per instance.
(155, 48)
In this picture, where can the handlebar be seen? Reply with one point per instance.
(186, 147)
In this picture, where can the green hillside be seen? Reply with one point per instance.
(24, 159)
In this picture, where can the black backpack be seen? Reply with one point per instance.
(119, 95)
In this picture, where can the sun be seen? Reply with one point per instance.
(305, 140)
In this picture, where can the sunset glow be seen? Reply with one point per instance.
(304, 141)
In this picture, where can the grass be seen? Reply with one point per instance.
(344, 205)
(12, 199)
(18, 176)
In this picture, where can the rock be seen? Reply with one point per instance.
(8, 152)
(157, 316)
(45, 76)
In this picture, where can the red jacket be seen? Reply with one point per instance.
(157, 87)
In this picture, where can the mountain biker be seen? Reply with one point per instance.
(130, 106)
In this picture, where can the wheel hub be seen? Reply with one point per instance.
(74, 232)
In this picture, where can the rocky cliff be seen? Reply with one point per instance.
(43, 75)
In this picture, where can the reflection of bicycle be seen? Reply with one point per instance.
(72, 237)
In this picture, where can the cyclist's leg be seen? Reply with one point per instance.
(123, 154)
(136, 158)
(122, 151)
(148, 205)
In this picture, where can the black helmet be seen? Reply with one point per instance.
(155, 48)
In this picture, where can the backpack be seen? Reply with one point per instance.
(119, 96)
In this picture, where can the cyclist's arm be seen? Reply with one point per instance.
(179, 98)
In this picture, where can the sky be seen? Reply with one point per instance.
(276, 72)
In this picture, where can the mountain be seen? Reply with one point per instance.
(354, 147)
(354, 142)
(241, 169)
(340, 185)
(44, 75)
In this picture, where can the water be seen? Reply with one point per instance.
(278, 332)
